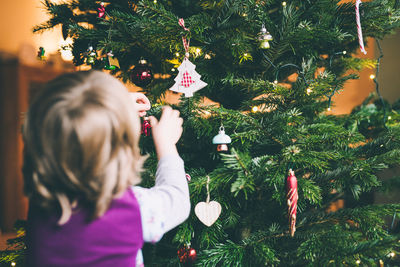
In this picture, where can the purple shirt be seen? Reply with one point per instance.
(116, 237)
(111, 240)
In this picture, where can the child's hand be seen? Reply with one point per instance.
(141, 103)
(167, 131)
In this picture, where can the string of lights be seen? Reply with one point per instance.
(375, 79)
(301, 73)
(329, 96)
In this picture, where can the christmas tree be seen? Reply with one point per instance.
(273, 68)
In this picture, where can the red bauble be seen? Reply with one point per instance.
(292, 198)
(187, 255)
(141, 74)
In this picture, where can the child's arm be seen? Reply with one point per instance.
(167, 204)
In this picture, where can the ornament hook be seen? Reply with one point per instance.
(208, 189)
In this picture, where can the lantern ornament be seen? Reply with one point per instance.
(221, 139)
(264, 37)
(141, 74)
(91, 55)
(111, 62)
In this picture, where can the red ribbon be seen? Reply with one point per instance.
(146, 127)
(101, 11)
(182, 23)
(184, 40)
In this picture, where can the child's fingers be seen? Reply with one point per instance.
(143, 106)
(172, 116)
(175, 113)
(153, 121)
(140, 98)
(144, 101)
(166, 111)
(180, 121)
(141, 103)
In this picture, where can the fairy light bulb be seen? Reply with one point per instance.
(245, 54)
(254, 109)
(309, 91)
(372, 76)
(358, 261)
(389, 117)
(392, 254)
(276, 82)
(198, 50)
(329, 109)
(207, 56)
(177, 54)
(344, 52)
(13, 264)
(284, 3)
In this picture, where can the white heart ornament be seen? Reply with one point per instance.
(208, 212)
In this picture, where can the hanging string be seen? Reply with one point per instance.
(185, 41)
(208, 189)
(290, 166)
(102, 14)
(109, 30)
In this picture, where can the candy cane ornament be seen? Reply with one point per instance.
(359, 30)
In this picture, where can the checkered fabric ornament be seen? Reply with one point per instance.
(188, 80)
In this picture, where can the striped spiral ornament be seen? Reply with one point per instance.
(359, 30)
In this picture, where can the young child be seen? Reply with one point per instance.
(81, 161)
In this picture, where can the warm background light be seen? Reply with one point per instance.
(17, 19)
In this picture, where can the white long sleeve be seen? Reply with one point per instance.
(167, 204)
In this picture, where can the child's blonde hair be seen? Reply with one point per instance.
(81, 144)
